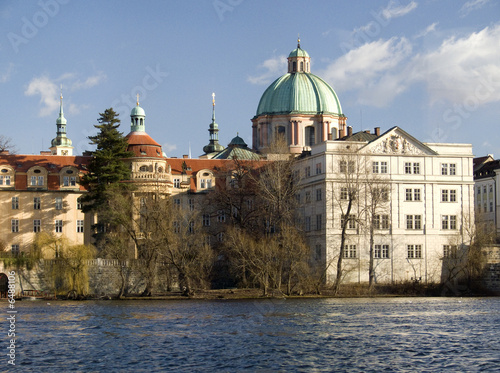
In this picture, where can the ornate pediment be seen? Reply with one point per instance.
(395, 144)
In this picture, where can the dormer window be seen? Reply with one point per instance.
(37, 177)
(6, 177)
(68, 177)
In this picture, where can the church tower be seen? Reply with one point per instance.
(61, 145)
(213, 146)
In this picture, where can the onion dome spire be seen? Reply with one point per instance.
(61, 144)
(213, 146)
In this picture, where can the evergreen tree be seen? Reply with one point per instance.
(106, 171)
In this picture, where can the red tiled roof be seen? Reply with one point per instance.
(140, 138)
(53, 163)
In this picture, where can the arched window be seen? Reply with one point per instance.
(294, 66)
(144, 168)
(310, 136)
(301, 66)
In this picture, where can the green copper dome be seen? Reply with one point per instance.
(298, 52)
(137, 110)
(299, 93)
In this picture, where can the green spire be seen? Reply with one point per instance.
(213, 129)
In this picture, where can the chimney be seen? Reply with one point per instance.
(185, 156)
(377, 131)
(342, 132)
(349, 130)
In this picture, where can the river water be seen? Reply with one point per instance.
(293, 335)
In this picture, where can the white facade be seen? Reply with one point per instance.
(430, 196)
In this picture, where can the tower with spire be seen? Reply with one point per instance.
(213, 146)
(61, 145)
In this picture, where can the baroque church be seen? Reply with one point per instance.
(427, 198)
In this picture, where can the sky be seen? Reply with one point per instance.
(431, 67)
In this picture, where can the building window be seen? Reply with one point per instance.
(59, 203)
(221, 216)
(491, 206)
(14, 249)
(448, 195)
(381, 221)
(15, 203)
(381, 251)
(307, 171)
(444, 168)
(203, 184)
(346, 166)
(5, 180)
(307, 222)
(350, 252)
(379, 167)
(407, 167)
(383, 167)
(412, 194)
(177, 202)
(206, 220)
(308, 196)
(319, 195)
(317, 252)
(59, 226)
(351, 221)
(412, 168)
(69, 181)
(448, 222)
(453, 169)
(36, 203)
(413, 221)
(318, 168)
(450, 251)
(414, 251)
(36, 225)
(79, 226)
(220, 236)
(14, 225)
(191, 204)
(318, 222)
(343, 193)
(79, 203)
(177, 183)
(177, 227)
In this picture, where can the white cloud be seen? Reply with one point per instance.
(472, 5)
(461, 70)
(90, 82)
(167, 148)
(5, 76)
(273, 67)
(394, 9)
(48, 89)
(372, 69)
(428, 30)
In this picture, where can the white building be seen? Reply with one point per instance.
(429, 186)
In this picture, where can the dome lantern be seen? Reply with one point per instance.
(137, 118)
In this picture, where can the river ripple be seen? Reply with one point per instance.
(301, 335)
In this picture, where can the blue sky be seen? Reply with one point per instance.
(431, 67)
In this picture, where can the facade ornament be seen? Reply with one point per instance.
(396, 144)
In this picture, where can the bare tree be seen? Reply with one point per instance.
(346, 194)
(6, 144)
